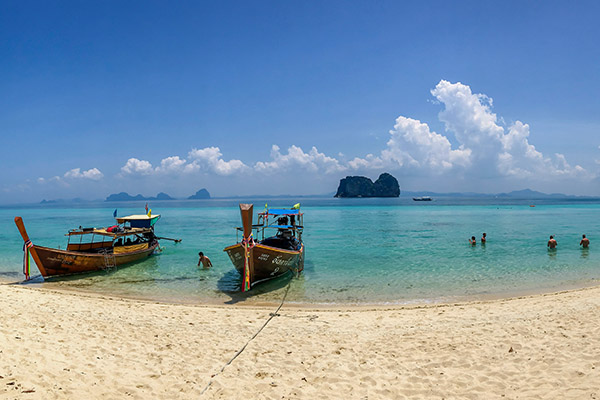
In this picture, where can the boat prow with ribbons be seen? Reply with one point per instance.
(259, 257)
(93, 249)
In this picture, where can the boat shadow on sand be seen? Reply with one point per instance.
(231, 282)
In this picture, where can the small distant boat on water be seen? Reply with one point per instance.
(94, 249)
(273, 256)
(422, 198)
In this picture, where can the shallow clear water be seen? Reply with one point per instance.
(357, 250)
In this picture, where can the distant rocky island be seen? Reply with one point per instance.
(200, 194)
(124, 196)
(525, 194)
(59, 201)
(360, 186)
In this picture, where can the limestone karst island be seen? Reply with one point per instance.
(359, 186)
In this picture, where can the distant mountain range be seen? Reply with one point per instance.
(75, 200)
(123, 196)
(525, 194)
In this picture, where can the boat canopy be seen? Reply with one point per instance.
(281, 211)
(139, 221)
(281, 222)
(104, 232)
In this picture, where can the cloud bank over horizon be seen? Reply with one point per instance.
(487, 154)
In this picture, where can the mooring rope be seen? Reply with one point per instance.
(240, 351)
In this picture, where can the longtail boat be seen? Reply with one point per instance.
(260, 259)
(423, 198)
(93, 249)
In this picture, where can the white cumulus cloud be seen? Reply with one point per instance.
(92, 173)
(133, 166)
(313, 161)
(210, 158)
(370, 161)
(485, 147)
(172, 164)
(468, 116)
(413, 143)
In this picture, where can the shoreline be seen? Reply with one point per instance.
(59, 344)
(249, 302)
(301, 306)
(306, 306)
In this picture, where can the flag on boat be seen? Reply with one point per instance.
(115, 213)
(296, 206)
(146, 208)
(149, 213)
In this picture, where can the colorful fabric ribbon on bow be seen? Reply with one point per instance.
(27, 259)
(248, 244)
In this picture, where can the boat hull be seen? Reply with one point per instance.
(269, 262)
(62, 262)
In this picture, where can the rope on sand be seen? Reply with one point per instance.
(240, 351)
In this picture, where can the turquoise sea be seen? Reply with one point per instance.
(367, 251)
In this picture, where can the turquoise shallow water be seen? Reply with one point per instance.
(357, 250)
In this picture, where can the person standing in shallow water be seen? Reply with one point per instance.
(585, 242)
(483, 238)
(552, 243)
(473, 241)
(205, 261)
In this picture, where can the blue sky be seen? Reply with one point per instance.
(289, 97)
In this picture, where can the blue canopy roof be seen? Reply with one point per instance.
(282, 211)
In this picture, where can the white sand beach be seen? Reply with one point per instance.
(64, 345)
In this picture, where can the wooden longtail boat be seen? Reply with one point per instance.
(260, 260)
(97, 248)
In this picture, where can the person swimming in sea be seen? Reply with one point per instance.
(473, 241)
(552, 243)
(585, 242)
(205, 261)
(483, 238)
